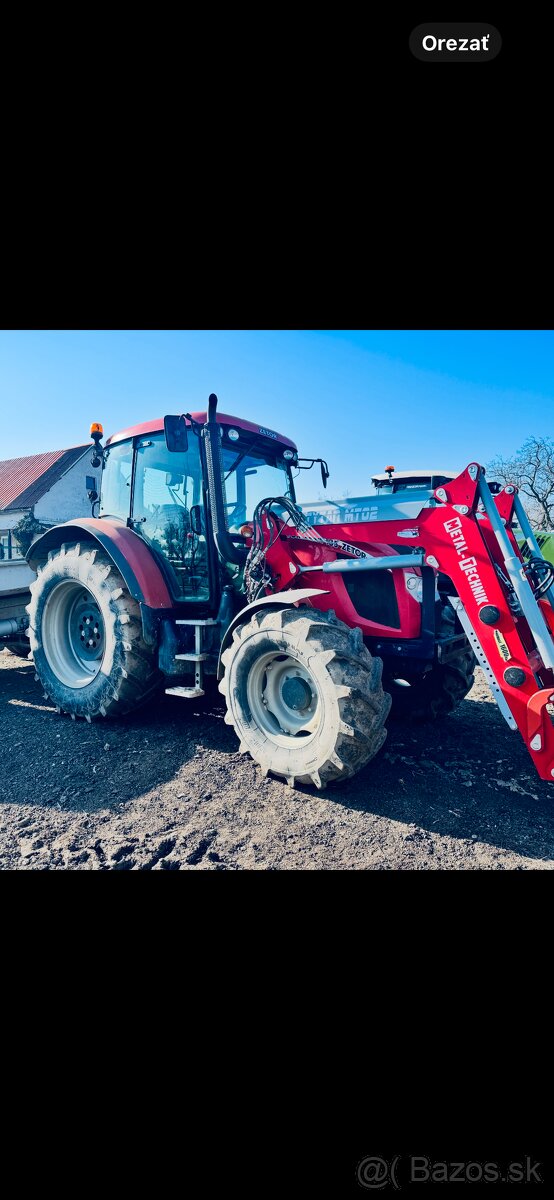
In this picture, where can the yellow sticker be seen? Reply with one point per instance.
(503, 648)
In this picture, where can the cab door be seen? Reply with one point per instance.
(168, 511)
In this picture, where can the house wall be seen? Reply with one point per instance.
(68, 497)
(11, 519)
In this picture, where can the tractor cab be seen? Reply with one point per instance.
(160, 479)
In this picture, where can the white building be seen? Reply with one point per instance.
(52, 486)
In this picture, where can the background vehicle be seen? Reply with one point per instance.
(419, 484)
(200, 563)
(15, 580)
(545, 542)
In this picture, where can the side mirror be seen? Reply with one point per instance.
(91, 488)
(324, 473)
(176, 436)
(196, 519)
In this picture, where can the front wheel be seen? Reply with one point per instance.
(86, 636)
(434, 695)
(18, 649)
(304, 695)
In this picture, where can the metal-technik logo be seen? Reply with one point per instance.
(374, 1173)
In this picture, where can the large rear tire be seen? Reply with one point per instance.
(304, 695)
(86, 636)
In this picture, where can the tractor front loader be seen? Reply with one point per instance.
(200, 563)
(478, 597)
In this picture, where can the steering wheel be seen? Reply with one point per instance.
(177, 511)
(236, 517)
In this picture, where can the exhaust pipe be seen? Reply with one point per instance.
(216, 491)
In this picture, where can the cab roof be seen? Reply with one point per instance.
(399, 476)
(157, 425)
(415, 474)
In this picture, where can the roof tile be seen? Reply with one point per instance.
(24, 480)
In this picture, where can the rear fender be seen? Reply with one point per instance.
(129, 554)
(290, 599)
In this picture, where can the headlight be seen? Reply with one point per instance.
(414, 584)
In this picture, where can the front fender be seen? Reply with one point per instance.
(128, 552)
(289, 599)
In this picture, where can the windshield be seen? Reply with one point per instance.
(249, 479)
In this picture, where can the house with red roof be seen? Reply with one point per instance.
(51, 486)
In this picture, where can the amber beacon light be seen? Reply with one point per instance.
(96, 432)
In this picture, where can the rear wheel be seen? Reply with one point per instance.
(86, 636)
(304, 695)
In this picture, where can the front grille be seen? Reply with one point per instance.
(373, 595)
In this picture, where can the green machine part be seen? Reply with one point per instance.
(545, 541)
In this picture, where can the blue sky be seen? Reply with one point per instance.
(361, 398)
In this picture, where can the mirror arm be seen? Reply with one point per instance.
(310, 462)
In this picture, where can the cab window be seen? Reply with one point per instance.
(115, 494)
(248, 480)
(167, 486)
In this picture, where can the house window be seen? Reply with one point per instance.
(8, 547)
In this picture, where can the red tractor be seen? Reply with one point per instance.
(200, 563)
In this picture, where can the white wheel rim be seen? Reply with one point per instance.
(284, 699)
(73, 634)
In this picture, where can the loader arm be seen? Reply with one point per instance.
(466, 535)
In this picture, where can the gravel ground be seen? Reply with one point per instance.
(166, 789)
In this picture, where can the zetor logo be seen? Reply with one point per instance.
(467, 565)
(267, 433)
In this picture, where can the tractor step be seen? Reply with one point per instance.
(197, 656)
(186, 693)
(193, 657)
(208, 621)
